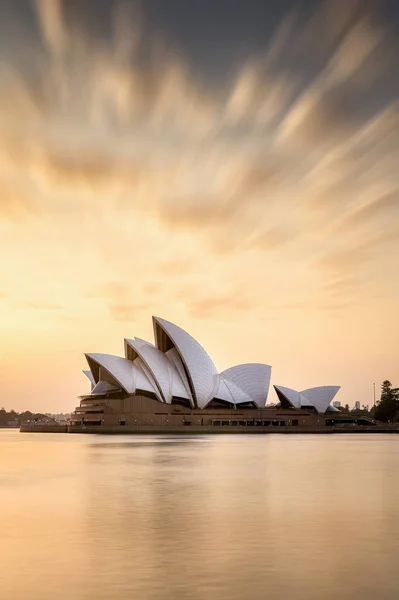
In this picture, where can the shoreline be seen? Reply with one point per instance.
(203, 430)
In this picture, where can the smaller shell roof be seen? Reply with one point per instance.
(292, 396)
(223, 392)
(120, 369)
(318, 397)
(180, 390)
(251, 383)
(89, 375)
(143, 379)
(103, 387)
(162, 370)
(239, 396)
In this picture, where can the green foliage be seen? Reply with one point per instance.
(17, 418)
(387, 408)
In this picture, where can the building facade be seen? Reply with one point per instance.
(173, 385)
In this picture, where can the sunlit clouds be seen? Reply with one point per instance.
(262, 203)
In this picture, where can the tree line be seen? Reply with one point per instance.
(386, 408)
(13, 418)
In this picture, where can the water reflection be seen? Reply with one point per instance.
(199, 517)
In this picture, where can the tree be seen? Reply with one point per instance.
(388, 405)
(12, 416)
(3, 417)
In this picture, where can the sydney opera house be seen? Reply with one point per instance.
(174, 386)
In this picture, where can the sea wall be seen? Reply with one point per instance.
(43, 428)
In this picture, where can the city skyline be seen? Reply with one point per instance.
(231, 166)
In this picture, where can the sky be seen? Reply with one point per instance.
(230, 166)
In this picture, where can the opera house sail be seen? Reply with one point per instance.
(173, 385)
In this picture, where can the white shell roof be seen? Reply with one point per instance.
(140, 340)
(143, 379)
(251, 383)
(291, 395)
(238, 395)
(304, 401)
(89, 375)
(332, 409)
(223, 392)
(120, 369)
(320, 397)
(126, 374)
(181, 390)
(178, 366)
(163, 371)
(142, 368)
(103, 387)
(200, 368)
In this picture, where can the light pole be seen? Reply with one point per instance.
(374, 393)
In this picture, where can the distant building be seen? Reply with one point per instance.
(337, 404)
(357, 405)
(60, 417)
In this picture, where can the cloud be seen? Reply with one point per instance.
(126, 312)
(16, 204)
(329, 109)
(218, 307)
(386, 206)
(326, 27)
(119, 142)
(336, 306)
(39, 305)
(192, 213)
(174, 266)
(152, 288)
(52, 24)
(265, 173)
(272, 239)
(341, 286)
(353, 258)
(121, 299)
(197, 162)
(88, 169)
(342, 260)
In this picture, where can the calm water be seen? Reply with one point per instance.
(240, 517)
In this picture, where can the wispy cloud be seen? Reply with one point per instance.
(219, 307)
(371, 212)
(119, 136)
(16, 203)
(39, 305)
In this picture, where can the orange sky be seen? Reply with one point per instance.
(261, 216)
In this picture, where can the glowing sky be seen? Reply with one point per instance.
(231, 166)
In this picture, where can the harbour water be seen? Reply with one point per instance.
(235, 517)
